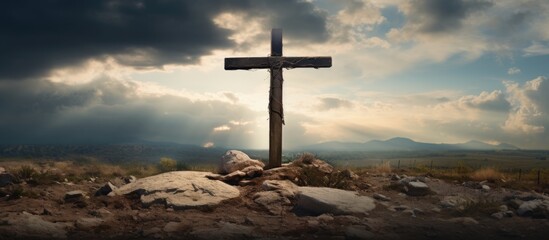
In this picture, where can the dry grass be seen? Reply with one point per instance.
(486, 174)
(383, 168)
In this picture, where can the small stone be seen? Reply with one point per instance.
(313, 223)
(105, 189)
(244, 183)
(74, 195)
(88, 223)
(325, 218)
(503, 208)
(45, 211)
(498, 215)
(485, 187)
(435, 209)
(418, 211)
(400, 208)
(381, 197)
(130, 179)
(395, 177)
(349, 174)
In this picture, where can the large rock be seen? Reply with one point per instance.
(536, 208)
(319, 200)
(285, 188)
(180, 189)
(106, 189)
(274, 202)
(416, 188)
(235, 160)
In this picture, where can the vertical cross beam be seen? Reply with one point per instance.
(276, 111)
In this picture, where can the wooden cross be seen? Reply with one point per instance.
(275, 63)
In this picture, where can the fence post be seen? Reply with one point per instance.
(398, 166)
(520, 173)
(431, 165)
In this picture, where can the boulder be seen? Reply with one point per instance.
(2, 170)
(7, 179)
(274, 202)
(234, 160)
(320, 200)
(105, 189)
(285, 187)
(536, 208)
(417, 189)
(180, 190)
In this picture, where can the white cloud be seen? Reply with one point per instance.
(513, 71)
(222, 128)
(536, 49)
(530, 114)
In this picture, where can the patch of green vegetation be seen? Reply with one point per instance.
(167, 164)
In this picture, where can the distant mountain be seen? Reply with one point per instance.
(126, 152)
(405, 144)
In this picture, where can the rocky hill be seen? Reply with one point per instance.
(305, 199)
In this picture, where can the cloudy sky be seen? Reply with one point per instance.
(109, 71)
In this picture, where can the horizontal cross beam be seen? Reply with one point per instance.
(247, 63)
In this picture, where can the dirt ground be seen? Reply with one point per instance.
(119, 217)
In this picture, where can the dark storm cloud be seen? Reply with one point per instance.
(111, 111)
(37, 36)
(443, 15)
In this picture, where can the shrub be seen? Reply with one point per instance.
(26, 172)
(167, 164)
(306, 158)
(383, 167)
(310, 176)
(488, 174)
